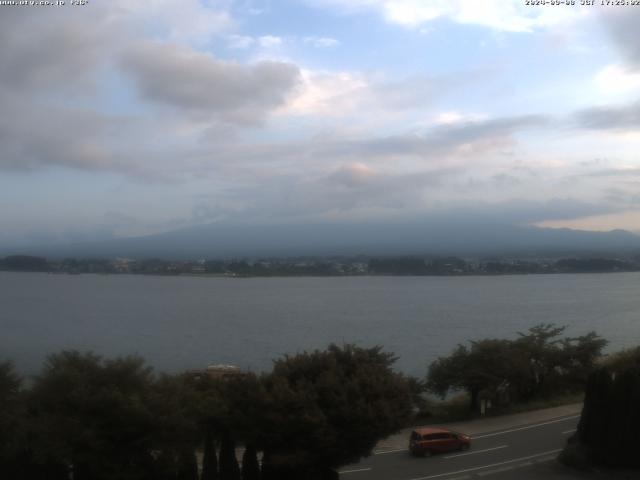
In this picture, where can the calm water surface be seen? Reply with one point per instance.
(190, 322)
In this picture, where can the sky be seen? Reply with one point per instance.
(123, 118)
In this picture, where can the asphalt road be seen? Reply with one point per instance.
(503, 454)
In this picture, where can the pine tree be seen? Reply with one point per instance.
(229, 469)
(250, 466)
(187, 465)
(210, 459)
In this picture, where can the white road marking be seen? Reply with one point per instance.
(542, 460)
(474, 437)
(488, 466)
(391, 451)
(476, 451)
(496, 470)
(568, 431)
(355, 471)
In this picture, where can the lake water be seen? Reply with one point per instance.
(190, 322)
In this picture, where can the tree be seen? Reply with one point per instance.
(209, 458)
(93, 415)
(610, 421)
(229, 469)
(174, 405)
(244, 403)
(187, 464)
(542, 347)
(579, 358)
(11, 420)
(227, 410)
(554, 363)
(25, 263)
(537, 363)
(329, 408)
(628, 359)
(250, 465)
(483, 368)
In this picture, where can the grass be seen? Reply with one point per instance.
(542, 403)
(456, 409)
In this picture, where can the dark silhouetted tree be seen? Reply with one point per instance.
(329, 408)
(229, 469)
(209, 458)
(250, 465)
(187, 465)
(92, 414)
(537, 363)
(484, 367)
(608, 431)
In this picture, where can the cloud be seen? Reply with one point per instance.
(350, 190)
(616, 79)
(48, 53)
(609, 118)
(615, 172)
(346, 93)
(321, 42)
(367, 177)
(506, 15)
(327, 93)
(64, 101)
(240, 42)
(622, 26)
(36, 134)
(450, 118)
(434, 145)
(199, 83)
(523, 211)
(187, 22)
(269, 41)
(457, 137)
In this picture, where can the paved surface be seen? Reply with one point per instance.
(519, 446)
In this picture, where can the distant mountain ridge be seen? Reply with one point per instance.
(223, 240)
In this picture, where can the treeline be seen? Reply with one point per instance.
(539, 363)
(458, 266)
(107, 419)
(609, 430)
(89, 418)
(321, 267)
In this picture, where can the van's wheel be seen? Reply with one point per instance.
(427, 453)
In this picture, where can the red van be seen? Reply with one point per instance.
(429, 440)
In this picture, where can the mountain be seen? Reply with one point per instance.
(223, 240)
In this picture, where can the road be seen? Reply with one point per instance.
(509, 451)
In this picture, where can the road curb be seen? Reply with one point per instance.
(486, 425)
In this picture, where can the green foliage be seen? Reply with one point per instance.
(24, 263)
(102, 419)
(187, 465)
(329, 408)
(484, 368)
(609, 428)
(93, 414)
(173, 402)
(209, 458)
(250, 465)
(628, 359)
(244, 400)
(11, 416)
(229, 469)
(538, 363)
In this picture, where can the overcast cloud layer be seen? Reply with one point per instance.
(126, 118)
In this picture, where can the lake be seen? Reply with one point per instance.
(190, 322)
